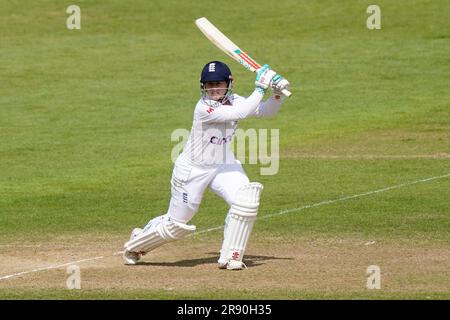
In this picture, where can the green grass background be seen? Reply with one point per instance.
(86, 115)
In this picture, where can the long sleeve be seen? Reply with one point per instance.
(241, 109)
(270, 107)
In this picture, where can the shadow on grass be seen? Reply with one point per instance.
(249, 260)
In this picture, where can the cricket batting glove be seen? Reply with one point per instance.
(278, 84)
(264, 78)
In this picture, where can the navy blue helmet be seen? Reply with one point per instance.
(216, 71)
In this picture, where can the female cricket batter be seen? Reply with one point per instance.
(207, 160)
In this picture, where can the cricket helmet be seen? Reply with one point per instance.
(215, 71)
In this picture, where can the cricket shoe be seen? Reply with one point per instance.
(130, 257)
(222, 263)
(232, 265)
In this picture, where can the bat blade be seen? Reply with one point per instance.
(222, 42)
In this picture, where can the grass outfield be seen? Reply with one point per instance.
(86, 118)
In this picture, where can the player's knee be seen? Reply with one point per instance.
(174, 230)
(182, 211)
(246, 200)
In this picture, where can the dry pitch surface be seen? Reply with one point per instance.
(276, 268)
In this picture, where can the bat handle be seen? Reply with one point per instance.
(287, 93)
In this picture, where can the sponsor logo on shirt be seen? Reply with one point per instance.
(220, 141)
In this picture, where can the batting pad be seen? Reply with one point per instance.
(239, 222)
(165, 231)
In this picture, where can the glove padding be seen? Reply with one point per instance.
(264, 77)
(279, 84)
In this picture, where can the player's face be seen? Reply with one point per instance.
(216, 90)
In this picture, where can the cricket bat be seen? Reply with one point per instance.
(226, 45)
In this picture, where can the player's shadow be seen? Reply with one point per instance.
(249, 260)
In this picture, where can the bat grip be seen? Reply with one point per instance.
(287, 93)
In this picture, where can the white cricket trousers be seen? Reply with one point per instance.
(189, 183)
